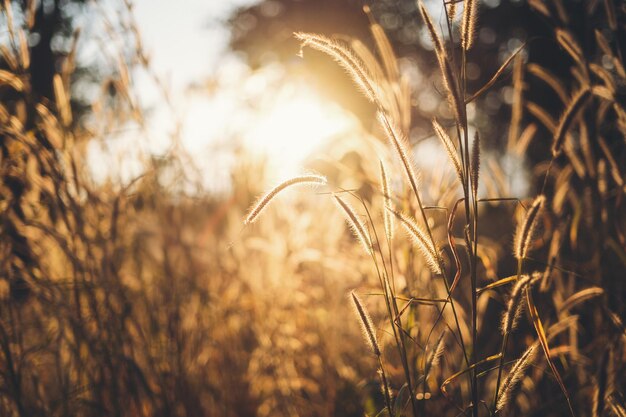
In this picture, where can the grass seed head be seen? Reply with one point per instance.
(526, 229)
(261, 204)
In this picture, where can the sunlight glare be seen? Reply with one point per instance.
(293, 126)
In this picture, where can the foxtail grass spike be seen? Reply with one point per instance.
(525, 230)
(515, 304)
(435, 354)
(346, 58)
(450, 149)
(452, 11)
(399, 144)
(515, 376)
(437, 43)
(422, 241)
(475, 165)
(366, 324)
(357, 226)
(468, 24)
(387, 202)
(576, 104)
(257, 209)
(447, 73)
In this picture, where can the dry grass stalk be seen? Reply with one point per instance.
(611, 15)
(525, 230)
(366, 324)
(11, 79)
(475, 165)
(257, 209)
(24, 49)
(517, 106)
(542, 115)
(447, 73)
(615, 172)
(525, 138)
(517, 77)
(356, 225)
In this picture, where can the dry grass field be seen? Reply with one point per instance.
(375, 282)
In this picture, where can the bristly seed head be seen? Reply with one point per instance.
(468, 25)
(573, 108)
(387, 202)
(357, 226)
(366, 324)
(475, 166)
(450, 149)
(515, 304)
(426, 246)
(515, 376)
(257, 209)
(525, 230)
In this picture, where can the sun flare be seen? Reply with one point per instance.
(293, 125)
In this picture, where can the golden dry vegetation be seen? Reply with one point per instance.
(139, 299)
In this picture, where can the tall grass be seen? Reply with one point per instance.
(137, 299)
(473, 380)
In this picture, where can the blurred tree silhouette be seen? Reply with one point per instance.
(51, 32)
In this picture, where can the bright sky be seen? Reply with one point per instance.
(188, 45)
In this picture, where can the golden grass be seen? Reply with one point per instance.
(137, 300)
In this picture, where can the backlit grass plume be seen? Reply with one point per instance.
(514, 305)
(387, 216)
(261, 204)
(357, 226)
(468, 24)
(447, 72)
(573, 108)
(525, 230)
(435, 354)
(515, 376)
(399, 143)
(450, 148)
(420, 238)
(366, 324)
(344, 57)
